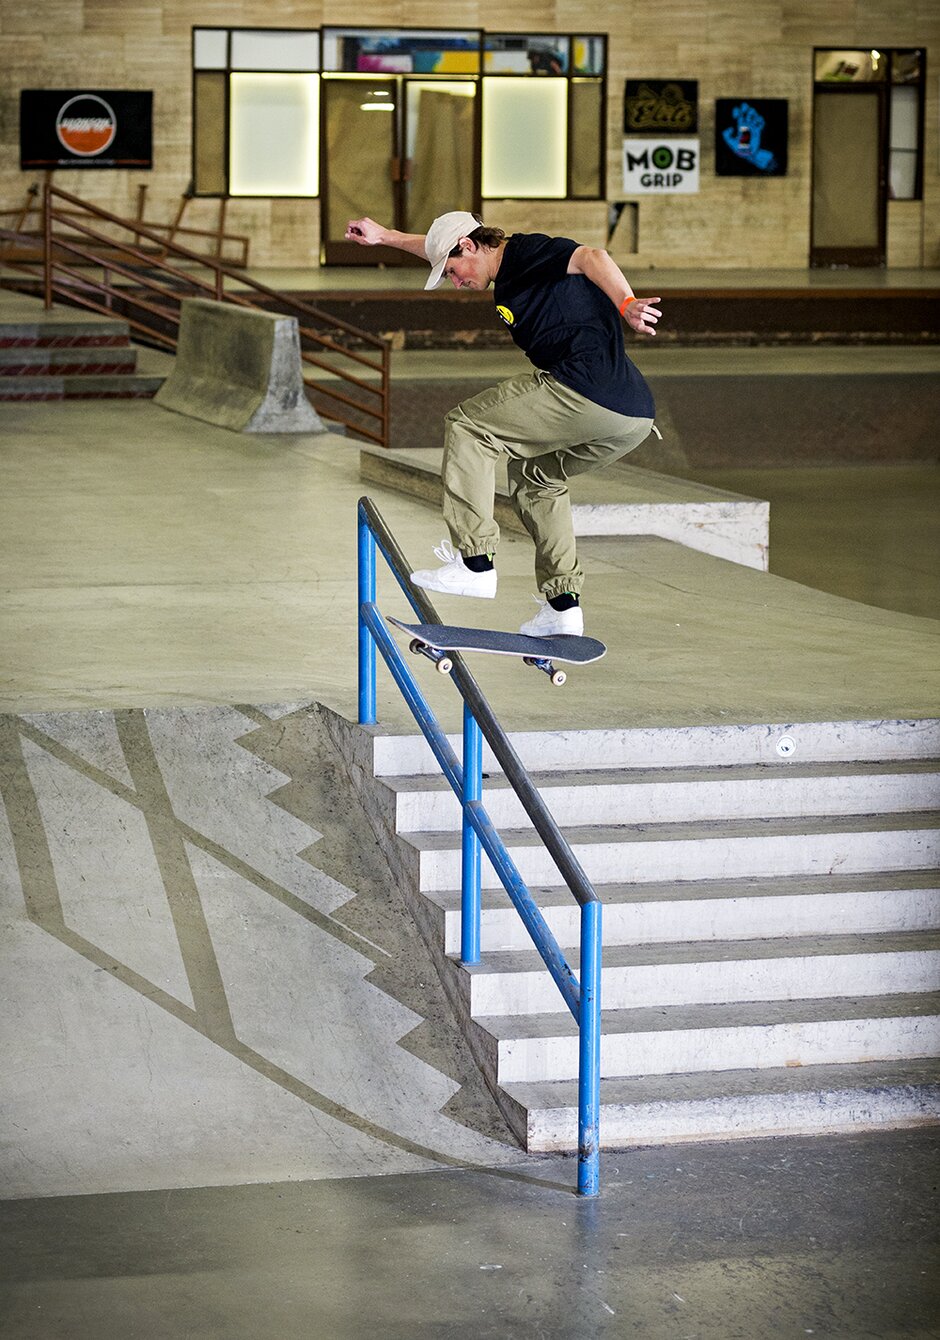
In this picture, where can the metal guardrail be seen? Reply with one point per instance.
(18, 220)
(583, 997)
(76, 235)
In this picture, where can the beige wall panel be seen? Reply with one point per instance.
(733, 24)
(428, 14)
(295, 230)
(656, 28)
(22, 58)
(179, 16)
(583, 16)
(517, 16)
(132, 20)
(824, 25)
(83, 60)
(48, 16)
(932, 224)
(585, 221)
(897, 18)
(905, 233)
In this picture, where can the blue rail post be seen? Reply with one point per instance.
(582, 998)
(470, 849)
(589, 1058)
(366, 641)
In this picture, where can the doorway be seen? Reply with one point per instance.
(399, 149)
(849, 180)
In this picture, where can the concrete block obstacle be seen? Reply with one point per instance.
(239, 368)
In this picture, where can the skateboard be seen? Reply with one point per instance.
(435, 640)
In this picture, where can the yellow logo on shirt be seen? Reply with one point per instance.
(506, 315)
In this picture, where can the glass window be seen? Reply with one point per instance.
(440, 144)
(260, 49)
(257, 134)
(518, 53)
(586, 111)
(907, 67)
(210, 48)
(902, 74)
(209, 139)
(369, 51)
(589, 54)
(851, 67)
(524, 138)
(904, 142)
(274, 127)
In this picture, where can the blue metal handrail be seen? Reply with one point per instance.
(583, 997)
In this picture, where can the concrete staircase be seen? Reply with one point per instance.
(69, 359)
(771, 925)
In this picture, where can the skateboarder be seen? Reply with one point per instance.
(584, 406)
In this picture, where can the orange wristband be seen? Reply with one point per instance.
(626, 303)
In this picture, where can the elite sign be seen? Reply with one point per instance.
(660, 167)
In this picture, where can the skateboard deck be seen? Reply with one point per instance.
(538, 651)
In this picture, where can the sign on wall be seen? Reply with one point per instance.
(80, 128)
(660, 107)
(660, 167)
(751, 137)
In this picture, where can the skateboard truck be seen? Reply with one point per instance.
(441, 660)
(444, 664)
(557, 677)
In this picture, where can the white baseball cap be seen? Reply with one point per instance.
(442, 236)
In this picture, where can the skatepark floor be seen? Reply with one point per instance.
(312, 1183)
(152, 560)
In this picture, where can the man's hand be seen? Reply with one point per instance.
(366, 232)
(642, 314)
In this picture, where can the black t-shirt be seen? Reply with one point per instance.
(565, 325)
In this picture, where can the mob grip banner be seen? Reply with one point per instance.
(82, 128)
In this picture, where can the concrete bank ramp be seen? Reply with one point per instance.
(208, 978)
(239, 368)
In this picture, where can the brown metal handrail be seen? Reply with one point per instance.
(240, 242)
(370, 410)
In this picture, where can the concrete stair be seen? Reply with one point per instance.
(70, 360)
(771, 926)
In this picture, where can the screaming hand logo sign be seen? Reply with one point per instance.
(86, 125)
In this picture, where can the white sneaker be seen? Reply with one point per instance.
(554, 623)
(455, 577)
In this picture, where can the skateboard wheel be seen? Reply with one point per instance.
(558, 678)
(445, 665)
(414, 646)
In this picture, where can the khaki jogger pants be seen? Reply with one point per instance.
(549, 433)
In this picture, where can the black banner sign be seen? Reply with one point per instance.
(81, 128)
(660, 107)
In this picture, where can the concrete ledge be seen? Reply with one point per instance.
(239, 368)
(621, 500)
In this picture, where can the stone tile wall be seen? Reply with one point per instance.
(757, 47)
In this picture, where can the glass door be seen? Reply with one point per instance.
(401, 150)
(440, 150)
(849, 179)
(359, 164)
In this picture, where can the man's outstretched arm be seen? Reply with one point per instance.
(640, 314)
(368, 233)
